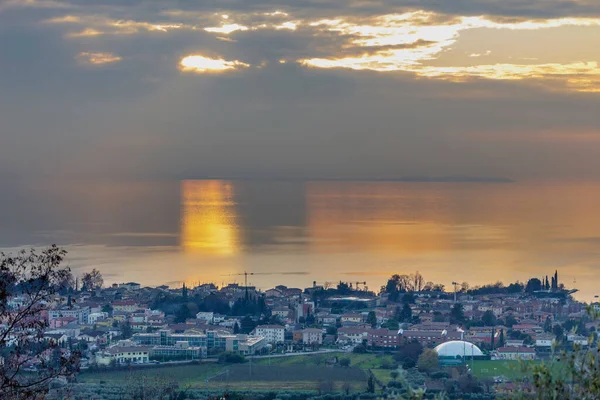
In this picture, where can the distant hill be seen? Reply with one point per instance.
(416, 179)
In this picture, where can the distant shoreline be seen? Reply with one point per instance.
(435, 179)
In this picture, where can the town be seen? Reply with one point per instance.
(130, 326)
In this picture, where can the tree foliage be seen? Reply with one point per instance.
(33, 278)
(92, 280)
(428, 361)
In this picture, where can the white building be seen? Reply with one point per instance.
(312, 336)
(207, 317)
(353, 335)
(272, 333)
(80, 313)
(93, 317)
(544, 340)
(124, 355)
(516, 353)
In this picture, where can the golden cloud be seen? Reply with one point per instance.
(201, 64)
(90, 58)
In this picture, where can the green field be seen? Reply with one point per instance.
(362, 361)
(303, 372)
(192, 375)
(513, 370)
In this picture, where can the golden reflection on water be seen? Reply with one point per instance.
(208, 218)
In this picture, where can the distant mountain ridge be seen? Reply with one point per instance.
(416, 179)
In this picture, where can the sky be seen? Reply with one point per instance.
(320, 88)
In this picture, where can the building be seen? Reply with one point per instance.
(515, 353)
(312, 336)
(273, 334)
(544, 340)
(209, 341)
(273, 293)
(282, 312)
(351, 318)
(93, 317)
(207, 317)
(124, 355)
(384, 338)
(430, 338)
(353, 335)
(458, 348)
(126, 306)
(180, 351)
(81, 314)
(130, 286)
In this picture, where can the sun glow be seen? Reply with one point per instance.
(201, 64)
(209, 219)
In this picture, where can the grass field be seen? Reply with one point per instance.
(290, 373)
(362, 361)
(513, 370)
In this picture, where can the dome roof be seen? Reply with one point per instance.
(455, 348)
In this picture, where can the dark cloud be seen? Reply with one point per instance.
(144, 117)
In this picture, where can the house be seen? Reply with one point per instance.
(272, 333)
(61, 321)
(273, 293)
(327, 319)
(515, 353)
(544, 340)
(79, 313)
(578, 340)
(130, 286)
(351, 319)
(312, 336)
(353, 335)
(514, 343)
(207, 317)
(282, 312)
(126, 306)
(124, 355)
(56, 338)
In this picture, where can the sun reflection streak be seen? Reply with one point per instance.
(209, 219)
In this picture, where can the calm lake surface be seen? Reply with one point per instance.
(296, 233)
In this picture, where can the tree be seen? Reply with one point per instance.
(183, 313)
(236, 328)
(344, 362)
(393, 325)
(92, 280)
(533, 285)
(371, 384)
(510, 321)
(126, 330)
(405, 314)
(548, 325)
(579, 377)
(410, 351)
(457, 314)
(558, 332)
(107, 309)
(35, 278)
(372, 319)
(488, 318)
(394, 375)
(428, 361)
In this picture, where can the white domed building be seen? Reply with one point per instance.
(458, 349)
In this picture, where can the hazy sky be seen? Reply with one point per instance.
(352, 88)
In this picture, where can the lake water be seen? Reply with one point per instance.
(296, 233)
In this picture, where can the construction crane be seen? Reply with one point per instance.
(360, 283)
(245, 274)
